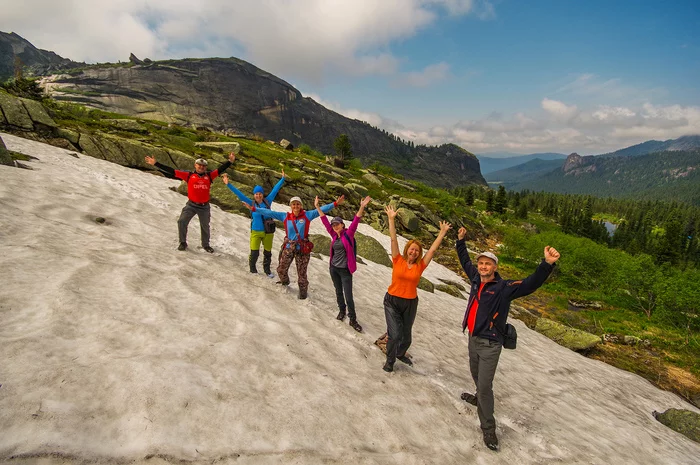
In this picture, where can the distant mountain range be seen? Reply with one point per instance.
(236, 97)
(491, 162)
(651, 146)
(533, 169)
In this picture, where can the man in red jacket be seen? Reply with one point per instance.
(198, 194)
(485, 318)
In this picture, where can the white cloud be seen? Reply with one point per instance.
(304, 39)
(558, 109)
(424, 78)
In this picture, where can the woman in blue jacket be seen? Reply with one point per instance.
(296, 246)
(260, 230)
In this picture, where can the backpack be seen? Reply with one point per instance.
(268, 223)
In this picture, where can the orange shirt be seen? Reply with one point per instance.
(404, 281)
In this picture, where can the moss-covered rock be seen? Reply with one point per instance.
(370, 248)
(372, 179)
(566, 336)
(5, 157)
(322, 243)
(15, 113)
(449, 289)
(357, 189)
(90, 147)
(37, 112)
(127, 125)
(454, 283)
(338, 188)
(426, 285)
(684, 421)
(69, 135)
(412, 203)
(408, 219)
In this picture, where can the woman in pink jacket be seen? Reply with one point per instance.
(343, 263)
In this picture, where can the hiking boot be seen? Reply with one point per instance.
(267, 261)
(355, 325)
(491, 440)
(284, 283)
(404, 359)
(182, 246)
(388, 366)
(208, 249)
(341, 315)
(302, 294)
(469, 398)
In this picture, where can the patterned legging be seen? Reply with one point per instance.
(287, 255)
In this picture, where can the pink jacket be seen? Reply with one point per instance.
(349, 251)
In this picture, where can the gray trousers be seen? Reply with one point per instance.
(204, 214)
(342, 281)
(400, 314)
(483, 360)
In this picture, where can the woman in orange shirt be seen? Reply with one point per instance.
(401, 300)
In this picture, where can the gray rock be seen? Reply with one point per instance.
(412, 203)
(372, 179)
(285, 144)
(408, 219)
(224, 147)
(127, 125)
(38, 113)
(69, 135)
(337, 188)
(358, 189)
(569, 337)
(683, 421)
(15, 113)
(455, 284)
(5, 157)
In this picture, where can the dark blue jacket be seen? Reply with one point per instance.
(496, 295)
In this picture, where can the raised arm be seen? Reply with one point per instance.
(391, 215)
(530, 284)
(266, 212)
(356, 221)
(224, 166)
(312, 215)
(241, 196)
(363, 203)
(444, 227)
(463, 255)
(275, 190)
(168, 171)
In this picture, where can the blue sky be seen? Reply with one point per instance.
(497, 75)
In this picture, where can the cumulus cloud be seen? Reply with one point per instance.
(305, 39)
(558, 109)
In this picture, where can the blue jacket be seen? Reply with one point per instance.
(257, 219)
(300, 221)
(494, 304)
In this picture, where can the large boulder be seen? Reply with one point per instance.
(71, 136)
(224, 147)
(426, 285)
(412, 203)
(338, 188)
(358, 190)
(569, 337)
(370, 248)
(372, 179)
(5, 157)
(322, 243)
(15, 113)
(408, 219)
(684, 421)
(127, 125)
(37, 112)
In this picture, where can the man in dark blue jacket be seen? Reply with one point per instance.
(485, 318)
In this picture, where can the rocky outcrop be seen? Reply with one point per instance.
(426, 285)
(24, 114)
(567, 336)
(367, 247)
(408, 219)
(449, 289)
(233, 96)
(684, 421)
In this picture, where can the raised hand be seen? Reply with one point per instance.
(283, 175)
(248, 206)
(462, 233)
(340, 200)
(551, 255)
(316, 202)
(224, 178)
(444, 227)
(390, 212)
(150, 160)
(364, 202)
(231, 157)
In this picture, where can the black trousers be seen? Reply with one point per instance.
(342, 280)
(400, 314)
(204, 214)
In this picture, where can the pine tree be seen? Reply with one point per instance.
(501, 201)
(489, 200)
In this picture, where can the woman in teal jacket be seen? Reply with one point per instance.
(258, 231)
(296, 246)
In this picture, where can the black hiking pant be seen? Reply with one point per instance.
(342, 281)
(400, 314)
(203, 211)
